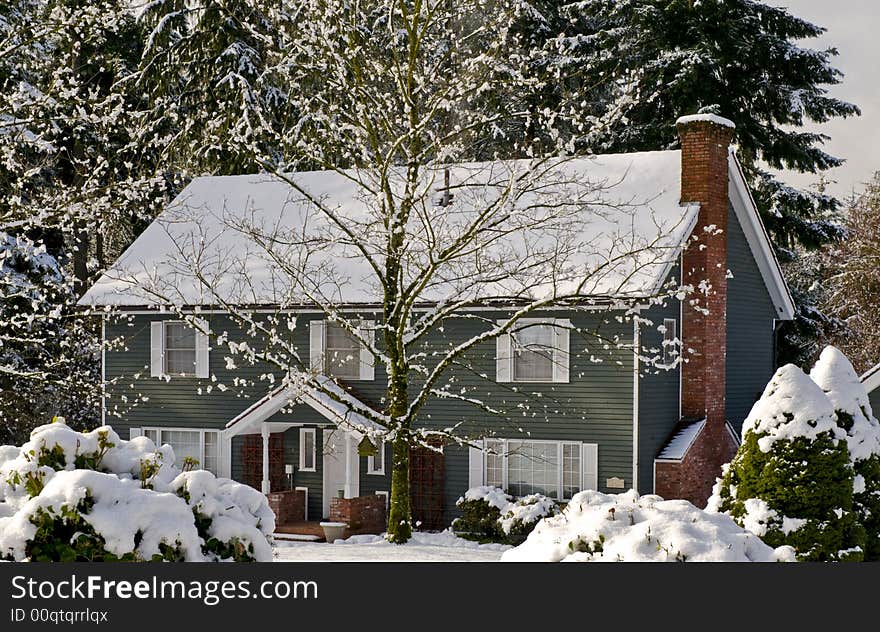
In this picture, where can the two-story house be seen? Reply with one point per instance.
(608, 425)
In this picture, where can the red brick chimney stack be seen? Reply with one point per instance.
(705, 142)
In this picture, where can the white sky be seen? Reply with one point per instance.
(853, 29)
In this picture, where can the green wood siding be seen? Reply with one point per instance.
(874, 398)
(750, 322)
(595, 407)
(658, 393)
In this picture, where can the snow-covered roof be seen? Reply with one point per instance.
(630, 231)
(630, 201)
(330, 400)
(681, 442)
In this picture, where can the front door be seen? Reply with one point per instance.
(334, 466)
(252, 461)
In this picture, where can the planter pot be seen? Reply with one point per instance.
(333, 530)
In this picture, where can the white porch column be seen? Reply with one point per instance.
(265, 432)
(348, 465)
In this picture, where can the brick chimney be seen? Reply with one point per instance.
(705, 141)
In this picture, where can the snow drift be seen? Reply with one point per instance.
(72, 495)
(597, 527)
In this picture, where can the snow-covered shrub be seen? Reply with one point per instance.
(596, 527)
(524, 514)
(481, 510)
(74, 496)
(791, 480)
(489, 514)
(838, 380)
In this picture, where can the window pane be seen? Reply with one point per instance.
(153, 435)
(670, 348)
(379, 459)
(308, 450)
(185, 444)
(494, 463)
(177, 362)
(533, 468)
(342, 352)
(533, 353)
(179, 336)
(571, 469)
(212, 453)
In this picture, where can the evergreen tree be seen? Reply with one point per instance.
(70, 166)
(74, 190)
(740, 59)
(216, 104)
(48, 363)
(836, 377)
(791, 480)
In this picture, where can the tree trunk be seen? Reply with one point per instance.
(399, 516)
(80, 261)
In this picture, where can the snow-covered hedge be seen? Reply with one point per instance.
(69, 496)
(596, 527)
(791, 480)
(489, 514)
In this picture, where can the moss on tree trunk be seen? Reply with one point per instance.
(399, 516)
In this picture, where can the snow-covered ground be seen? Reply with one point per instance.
(423, 547)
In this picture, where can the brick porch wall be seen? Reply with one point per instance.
(364, 514)
(289, 506)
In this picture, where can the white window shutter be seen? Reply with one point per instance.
(561, 353)
(503, 357)
(316, 345)
(590, 460)
(368, 370)
(203, 348)
(157, 349)
(475, 467)
(135, 432)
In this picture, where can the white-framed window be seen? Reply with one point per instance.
(337, 352)
(307, 449)
(199, 444)
(535, 350)
(670, 341)
(342, 352)
(178, 349)
(558, 469)
(376, 463)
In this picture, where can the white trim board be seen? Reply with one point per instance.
(871, 379)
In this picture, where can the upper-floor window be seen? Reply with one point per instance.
(336, 351)
(342, 352)
(670, 341)
(533, 348)
(534, 351)
(178, 349)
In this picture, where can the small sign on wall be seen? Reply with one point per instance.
(615, 483)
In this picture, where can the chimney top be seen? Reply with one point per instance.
(705, 118)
